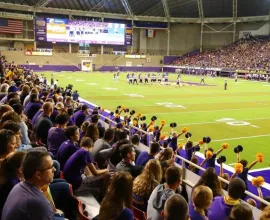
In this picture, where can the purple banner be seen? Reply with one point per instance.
(128, 36)
(40, 29)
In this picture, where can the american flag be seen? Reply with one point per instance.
(10, 26)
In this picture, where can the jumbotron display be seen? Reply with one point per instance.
(73, 31)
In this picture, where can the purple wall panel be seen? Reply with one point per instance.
(56, 68)
(132, 68)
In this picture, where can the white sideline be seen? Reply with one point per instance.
(225, 166)
(219, 110)
(237, 138)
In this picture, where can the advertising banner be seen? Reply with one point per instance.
(128, 36)
(37, 53)
(86, 65)
(40, 29)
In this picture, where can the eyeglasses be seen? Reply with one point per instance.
(41, 170)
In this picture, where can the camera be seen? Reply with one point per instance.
(221, 159)
(238, 149)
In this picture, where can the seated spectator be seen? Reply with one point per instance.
(201, 200)
(92, 132)
(117, 204)
(3, 90)
(68, 147)
(145, 183)
(44, 123)
(12, 116)
(83, 129)
(222, 205)
(14, 127)
(163, 192)
(38, 171)
(113, 154)
(80, 161)
(210, 178)
(265, 213)
(8, 143)
(146, 156)
(10, 175)
(135, 140)
(24, 129)
(252, 202)
(27, 98)
(175, 208)
(33, 106)
(241, 211)
(102, 144)
(57, 135)
(80, 116)
(165, 155)
(3, 109)
(128, 154)
(25, 92)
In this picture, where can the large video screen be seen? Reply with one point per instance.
(73, 31)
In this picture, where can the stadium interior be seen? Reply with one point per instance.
(134, 109)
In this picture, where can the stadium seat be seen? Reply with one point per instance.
(138, 214)
(83, 213)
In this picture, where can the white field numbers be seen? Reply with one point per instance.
(170, 105)
(234, 122)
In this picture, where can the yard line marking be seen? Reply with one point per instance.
(220, 110)
(237, 138)
(69, 77)
(254, 126)
(216, 122)
(92, 84)
(80, 80)
(110, 89)
(231, 164)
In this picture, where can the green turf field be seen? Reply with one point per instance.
(240, 115)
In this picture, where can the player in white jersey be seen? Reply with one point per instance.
(178, 81)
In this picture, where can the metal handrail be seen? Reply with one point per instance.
(184, 160)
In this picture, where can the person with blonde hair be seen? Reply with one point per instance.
(145, 183)
(265, 213)
(117, 204)
(201, 200)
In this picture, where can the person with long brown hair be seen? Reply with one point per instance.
(210, 179)
(117, 204)
(10, 175)
(92, 132)
(145, 183)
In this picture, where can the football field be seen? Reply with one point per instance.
(238, 116)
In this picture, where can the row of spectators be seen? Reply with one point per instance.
(251, 53)
(49, 142)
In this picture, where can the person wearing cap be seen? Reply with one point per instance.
(11, 90)
(44, 123)
(58, 109)
(80, 116)
(56, 135)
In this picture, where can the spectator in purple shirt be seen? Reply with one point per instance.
(38, 171)
(44, 123)
(10, 174)
(57, 135)
(210, 162)
(80, 116)
(222, 205)
(33, 106)
(146, 156)
(81, 172)
(201, 200)
(175, 208)
(68, 147)
(117, 204)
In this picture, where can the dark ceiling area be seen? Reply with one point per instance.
(176, 8)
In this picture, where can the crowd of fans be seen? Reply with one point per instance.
(245, 54)
(50, 142)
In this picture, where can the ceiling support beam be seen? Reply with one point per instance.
(201, 16)
(166, 9)
(42, 3)
(99, 6)
(235, 10)
(127, 7)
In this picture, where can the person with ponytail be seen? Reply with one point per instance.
(10, 175)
